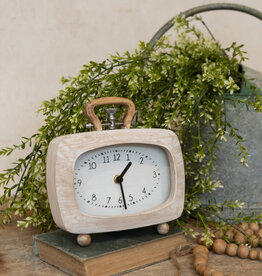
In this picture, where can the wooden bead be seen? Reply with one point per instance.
(256, 231)
(200, 268)
(218, 234)
(243, 251)
(200, 263)
(252, 254)
(254, 226)
(209, 271)
(84, 239)
(259, 255)
(231, 249)
(260, 225)
(230, 235)
(235, 231)
(200, 248)
(249, 232)
(219, 246)
(259, 233)
(163, 228)
(240, 238)
(201, 256)
(254, 241)
(244, 226)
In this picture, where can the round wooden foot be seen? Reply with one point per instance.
(84, 239)
(163, 228)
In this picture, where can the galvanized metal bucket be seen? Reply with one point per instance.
(240, 183)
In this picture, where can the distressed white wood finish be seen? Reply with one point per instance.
(62, 154)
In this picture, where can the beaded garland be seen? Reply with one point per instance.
(237, 241)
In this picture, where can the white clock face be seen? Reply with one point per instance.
(145, 179)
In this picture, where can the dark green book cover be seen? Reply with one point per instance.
(103, 244)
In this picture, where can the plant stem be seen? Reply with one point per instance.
(32, 154)
(235, 227)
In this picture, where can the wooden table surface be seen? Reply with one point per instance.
(17, 259)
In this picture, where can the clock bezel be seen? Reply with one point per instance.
(62, 154)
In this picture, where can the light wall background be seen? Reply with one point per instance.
(42, 40)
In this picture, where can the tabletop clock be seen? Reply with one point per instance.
(117, 179)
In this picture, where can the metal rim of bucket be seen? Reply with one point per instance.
(205, 8)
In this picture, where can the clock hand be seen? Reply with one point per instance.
(120, 177)
(119, 180)
(123, 195)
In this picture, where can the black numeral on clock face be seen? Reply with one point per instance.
(154, 174)
(106, 159)
(117, 157)
(120, 201)
(108, 199)
(92, 165)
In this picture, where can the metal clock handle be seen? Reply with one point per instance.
(129, 113)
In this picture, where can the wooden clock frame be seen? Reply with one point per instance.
(62, 154)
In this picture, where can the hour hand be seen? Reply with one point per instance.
(119, 179)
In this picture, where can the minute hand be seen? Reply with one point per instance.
(119, 180)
